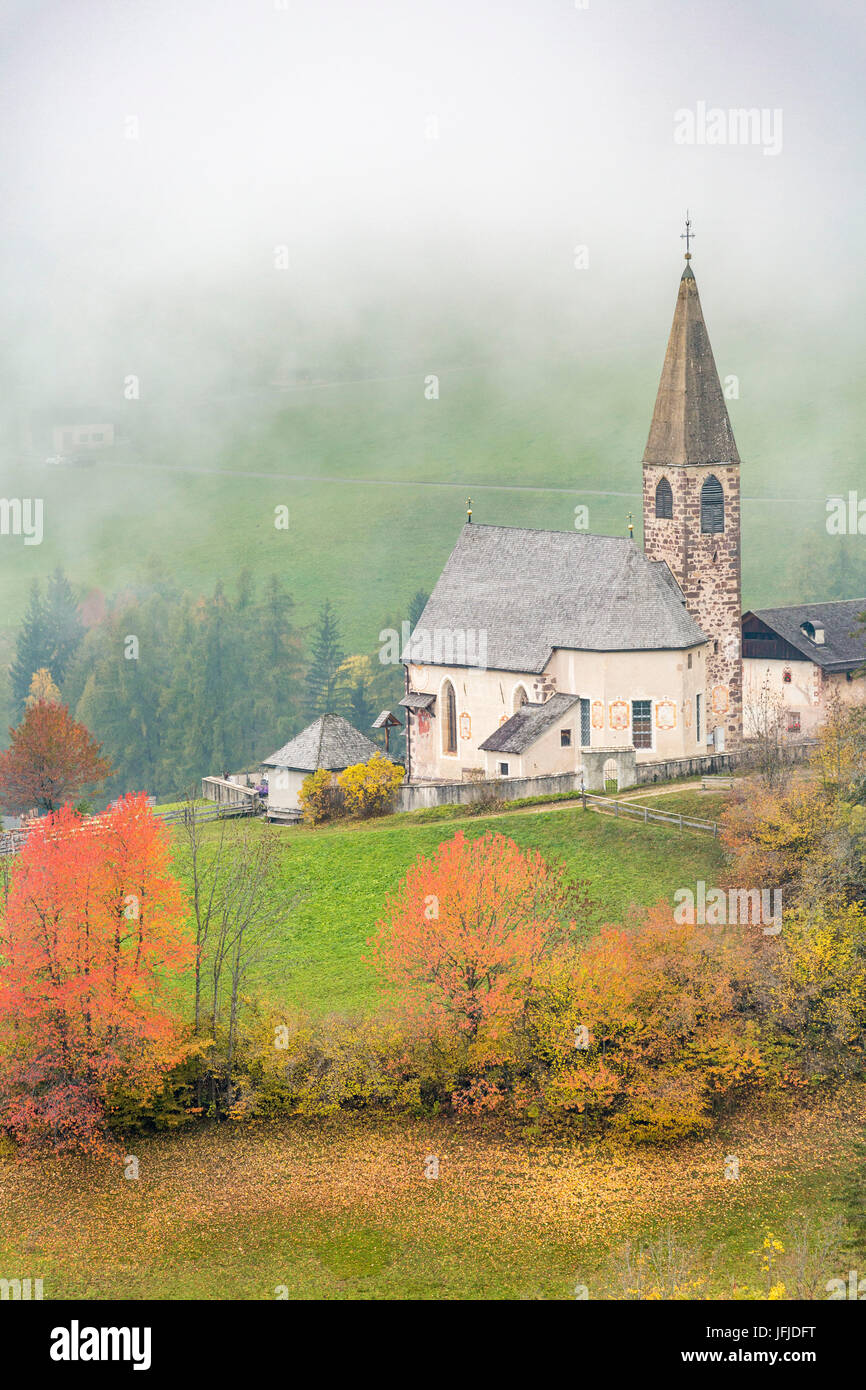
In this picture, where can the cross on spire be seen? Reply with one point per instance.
(687, 236)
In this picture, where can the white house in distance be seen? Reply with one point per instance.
(329, 742)
(810, 655)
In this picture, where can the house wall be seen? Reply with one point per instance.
(546, 757)
(810, 691)
(284, 783)
(609, 680)
(65, 438)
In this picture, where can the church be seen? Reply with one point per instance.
(539, 650)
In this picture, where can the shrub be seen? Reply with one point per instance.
(368, 788)
(321, 798)
(317, 1068)
(488, 802)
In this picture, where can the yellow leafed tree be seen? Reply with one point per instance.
(42, 688)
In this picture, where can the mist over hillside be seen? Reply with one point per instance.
(251, 237)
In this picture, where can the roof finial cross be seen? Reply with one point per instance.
(687, 236)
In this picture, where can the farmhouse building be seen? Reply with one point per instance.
(537, 647)
(329, 742)
(808, 657)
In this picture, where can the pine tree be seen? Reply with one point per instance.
(275, 706)
(324, 683)
(29, 649)
(48, 638)
(416, 607)
(63, 626)
(360, 711)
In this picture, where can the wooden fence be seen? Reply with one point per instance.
(225, 811)
(646, 814)
(12, 840)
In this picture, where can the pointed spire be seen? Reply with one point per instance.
(690, 422)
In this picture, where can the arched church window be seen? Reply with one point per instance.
(712, 506)
(520, 699)
(449, 721)
(664, 500)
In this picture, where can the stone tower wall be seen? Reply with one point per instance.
(707, 568)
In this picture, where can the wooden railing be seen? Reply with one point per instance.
(12, 840)
(646, 814)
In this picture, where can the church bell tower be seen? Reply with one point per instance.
(691, 503)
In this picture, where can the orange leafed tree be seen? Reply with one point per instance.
(468, 932)
(50, 759)
(650, 1026)
(92, 935)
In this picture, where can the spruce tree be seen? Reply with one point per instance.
(324, 684)
(29, 649)
(48, 638)
(63, 626)
(276, 699)
(360, 707)
(416, 607)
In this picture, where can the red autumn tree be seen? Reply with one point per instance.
(50, 759)
(468, 932)
(92, 934)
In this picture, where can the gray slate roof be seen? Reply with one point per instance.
(669, 577)
(841, 649)
(531, 721)
(387, 719)
(690, 422)
(533, 591)
(330, 742)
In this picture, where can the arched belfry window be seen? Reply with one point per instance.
(520, 698)
(449, 720)
(712, 506)
(664, 500)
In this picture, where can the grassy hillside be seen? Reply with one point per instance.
(343, 876)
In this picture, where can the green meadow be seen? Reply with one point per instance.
(333, 882)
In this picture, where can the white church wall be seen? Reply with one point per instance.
(612, 681)
(485, 699)
(609, 680)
